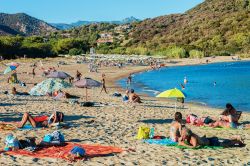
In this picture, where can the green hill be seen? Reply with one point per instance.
(216, 27)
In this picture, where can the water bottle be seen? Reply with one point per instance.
(151, 134)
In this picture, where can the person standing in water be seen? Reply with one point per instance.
(129, 80)
(103, 84)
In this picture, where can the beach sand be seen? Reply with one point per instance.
(115, 124)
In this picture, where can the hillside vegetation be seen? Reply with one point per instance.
(214, 27)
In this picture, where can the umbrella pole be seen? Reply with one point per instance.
(175, 106)
(86, 94)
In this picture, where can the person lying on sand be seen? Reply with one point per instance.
(54, 118)
(191, 140)
(175, 128)
(61, 94)
(133, 97)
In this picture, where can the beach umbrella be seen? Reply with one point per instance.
(9, 69)
(49, 86)
(172, 93)
(87, 83)
(58, 74)
(13, 64)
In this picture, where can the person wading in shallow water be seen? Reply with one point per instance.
(129, 81)
(103, 84)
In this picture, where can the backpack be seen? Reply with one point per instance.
(143, 132)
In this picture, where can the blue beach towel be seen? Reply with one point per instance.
(165, 142)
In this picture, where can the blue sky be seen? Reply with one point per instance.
(68, 11)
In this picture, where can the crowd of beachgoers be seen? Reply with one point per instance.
(60, 109)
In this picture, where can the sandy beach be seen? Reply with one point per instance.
(115, 123)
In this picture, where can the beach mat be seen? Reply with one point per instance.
(169, 142)
(62, 151)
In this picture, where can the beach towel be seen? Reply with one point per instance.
(63, 151)
(169, 142)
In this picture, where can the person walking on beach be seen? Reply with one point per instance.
(103, 84)
(33, 72)
(78, 75)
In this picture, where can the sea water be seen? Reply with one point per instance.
(209, 84)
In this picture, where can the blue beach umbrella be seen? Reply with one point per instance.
(9, 69)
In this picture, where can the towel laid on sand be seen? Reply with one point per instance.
(63, 151)
(169, 142)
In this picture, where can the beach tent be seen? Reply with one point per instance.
(58, 74)
(49, 86)
(87, 83)
(172, 93)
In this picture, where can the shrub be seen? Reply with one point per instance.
(196, 54)
(75, 51)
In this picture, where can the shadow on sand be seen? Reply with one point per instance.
(156, 121)
(69, 118)
(10, 117)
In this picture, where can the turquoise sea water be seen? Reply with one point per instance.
(232, 83)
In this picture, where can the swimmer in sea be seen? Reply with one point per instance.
(182, 87)
(215, 83)
(185, 80)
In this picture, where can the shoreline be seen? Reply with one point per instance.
(186, 61)
(114, 123)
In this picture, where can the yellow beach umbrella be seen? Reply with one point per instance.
(172, 93)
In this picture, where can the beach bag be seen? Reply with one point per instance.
(11, 143)
(55, 138)
(143, 132)
(78, 151)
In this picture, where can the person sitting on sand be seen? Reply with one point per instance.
(15, 92)
(175, 128)
(54, 118)
(133, 97)
(125, 97)
(192, 140)
(229, 114)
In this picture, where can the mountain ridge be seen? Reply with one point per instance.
(23, 24)
(64, 26)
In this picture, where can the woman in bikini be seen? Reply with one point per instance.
(192, 140)
(46, 122)
(175, 128)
